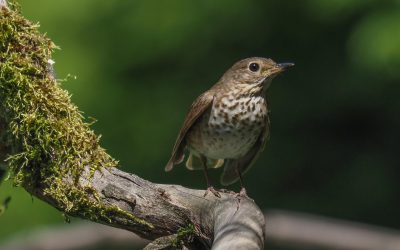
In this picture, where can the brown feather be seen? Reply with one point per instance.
(199, 106)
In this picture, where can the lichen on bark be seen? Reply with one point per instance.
(46, 136)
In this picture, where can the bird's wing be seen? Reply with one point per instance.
(199, 106)
(230, 175)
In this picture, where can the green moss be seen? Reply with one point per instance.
(47, 134)
(184, 235)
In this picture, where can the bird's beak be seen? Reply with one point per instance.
(284, 66)
(276, 70)
(280, 67)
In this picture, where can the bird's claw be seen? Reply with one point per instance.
(241, 195)
(213, 191)
(243, 192)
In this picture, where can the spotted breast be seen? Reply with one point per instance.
(230, 128)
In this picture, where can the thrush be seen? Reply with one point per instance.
(228, 125)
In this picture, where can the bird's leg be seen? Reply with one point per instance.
(242, 194)
(210, 187)
(242, 189)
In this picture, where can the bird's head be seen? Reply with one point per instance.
(255, 71)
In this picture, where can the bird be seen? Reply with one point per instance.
(228, 125)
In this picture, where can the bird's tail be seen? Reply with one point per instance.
(232, 166)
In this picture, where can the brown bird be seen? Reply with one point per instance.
(229, 124)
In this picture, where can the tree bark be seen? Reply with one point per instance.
(71, 172)
(229, 222)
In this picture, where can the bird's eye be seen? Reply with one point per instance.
(254, 67)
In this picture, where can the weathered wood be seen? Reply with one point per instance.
(228, 222)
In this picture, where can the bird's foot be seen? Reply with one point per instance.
(243, 192)
(213, 191)
(241, 195)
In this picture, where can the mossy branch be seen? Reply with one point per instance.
(52, 152)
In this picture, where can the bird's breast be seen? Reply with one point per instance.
(231, 127)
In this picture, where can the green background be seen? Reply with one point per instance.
(335, 116)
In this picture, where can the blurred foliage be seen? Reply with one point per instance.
(4, 204)
(335, 116)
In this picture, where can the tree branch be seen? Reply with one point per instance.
(159, 210)
(52, 152)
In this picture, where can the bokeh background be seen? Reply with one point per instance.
(334, 148)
